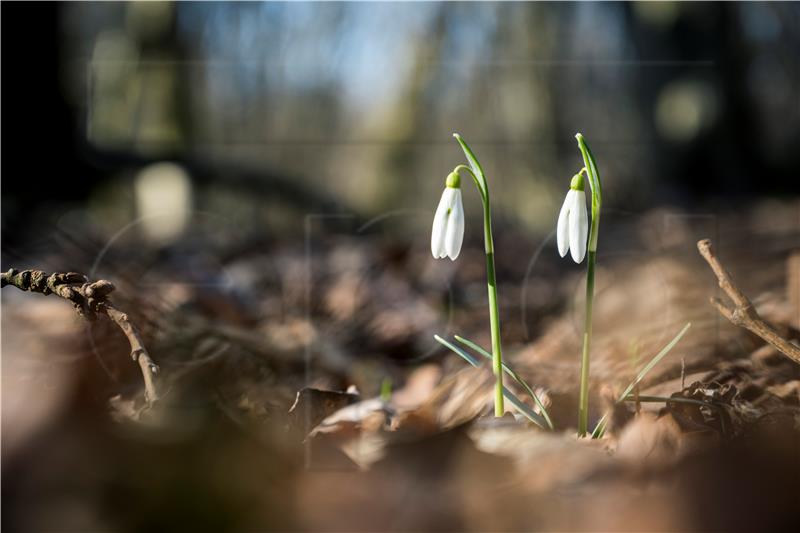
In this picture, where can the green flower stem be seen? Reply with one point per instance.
(476, 171)
(494, 313)
(583, 403)
(491, 281)
(494, 323)
(597, 200)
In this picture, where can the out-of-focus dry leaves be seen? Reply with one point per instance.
(650, 441)
(41, 350)
(126, 409)
(666, 388)
(418, 387)
(459, 399)
(789, 392)
(768, 356)
(544, 460)
(312, 406)
(345, 296)
(290, 335)
(368, 415)
(638, 308)
(324, 453)
(420, 484)
(357, 430)
(399, 324)
(727, 413)
(444, 463)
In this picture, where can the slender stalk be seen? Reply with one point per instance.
(494, 323)
(597, 200)
(491, 281)
(494, 313)
(583, 403)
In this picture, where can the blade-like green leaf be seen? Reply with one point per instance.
(516, 377)
(601, 425)
(529, 413)
(654, 361)
(591, 166)
(600, 428)
(664, 399)
(474, 165)
(458, 351)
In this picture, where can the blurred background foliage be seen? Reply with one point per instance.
(265, 112)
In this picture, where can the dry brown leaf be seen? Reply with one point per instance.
(312, 406)
(650, 442)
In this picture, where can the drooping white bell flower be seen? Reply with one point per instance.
(573, 222)
(447, 234)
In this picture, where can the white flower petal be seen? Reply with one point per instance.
(440, 225)
(562, 229)
(584, 225)
(578, 226)
(455, 228)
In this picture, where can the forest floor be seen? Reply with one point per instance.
(300, 388)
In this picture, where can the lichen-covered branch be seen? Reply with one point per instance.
(89, 300)
(743, 314)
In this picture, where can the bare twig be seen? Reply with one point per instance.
(743, 314)
(89, 300)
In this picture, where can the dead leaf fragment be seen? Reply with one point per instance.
(312, 406)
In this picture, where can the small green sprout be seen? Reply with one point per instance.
(386, 389)
(600, 429)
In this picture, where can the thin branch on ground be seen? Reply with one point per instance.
(743, 314)
(89, 300)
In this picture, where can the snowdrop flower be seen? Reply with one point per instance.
(448, 223)
(573, 222)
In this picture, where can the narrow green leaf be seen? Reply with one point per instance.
(664, 399)
(600, 428)
(475, 346)
(529, 413)
(591, 166)
(386, 389)
(516, 377)
(474, 165)
(458, 351)
(654, 361)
